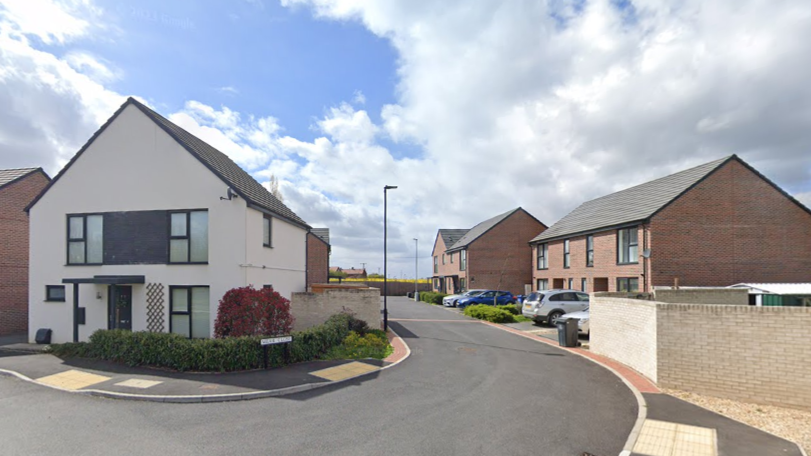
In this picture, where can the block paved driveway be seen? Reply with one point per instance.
(466, 389)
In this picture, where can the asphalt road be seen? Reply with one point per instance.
(467, 389)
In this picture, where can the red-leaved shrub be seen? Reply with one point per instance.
(247, 311)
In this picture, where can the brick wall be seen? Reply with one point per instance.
(501, 258)
(728, 296)
(731, 228)
(14, 247)
(605, 262)
(317, 260)
(311, 309)
(747, 353)
(625, 329)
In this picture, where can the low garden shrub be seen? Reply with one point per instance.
(356, 346)
(246, 311)
(432, 297)
(489, 313)
(176, 352)
(511, 308)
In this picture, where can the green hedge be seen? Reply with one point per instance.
(432, 297)
(176, 352)
(489, 313)
(511, 308)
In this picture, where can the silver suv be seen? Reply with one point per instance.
(548, 305)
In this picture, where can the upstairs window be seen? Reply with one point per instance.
(589, 251)
(627, 246)
(436, 265)
(85, 239)
(566, 258)
(543, 258)
(443, 258)
(463, 260)
(188, 237)
(451, 257)
(267, 239)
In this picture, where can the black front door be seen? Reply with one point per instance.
(120, 307)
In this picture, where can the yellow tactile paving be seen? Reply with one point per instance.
(138, 383)
(344, 371)
(72, 379)
(660, 438)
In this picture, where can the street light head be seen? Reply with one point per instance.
(389, 187)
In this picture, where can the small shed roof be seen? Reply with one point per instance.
(776, 288)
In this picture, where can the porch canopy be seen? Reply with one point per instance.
(100, 280)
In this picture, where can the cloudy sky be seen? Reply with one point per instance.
(471, 108)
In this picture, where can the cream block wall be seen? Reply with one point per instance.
(747, 353)
(625, 330)
(134, 165)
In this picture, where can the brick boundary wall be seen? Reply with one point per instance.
(312, 309)
(747, 353)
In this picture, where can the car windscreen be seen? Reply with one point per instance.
(474, 293)
(533, 297)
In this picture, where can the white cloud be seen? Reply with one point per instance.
(228, 90)
(533, 104)
(51, 104)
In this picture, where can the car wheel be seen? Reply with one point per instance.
(553, 318)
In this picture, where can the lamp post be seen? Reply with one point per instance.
(385, 258)
(416, 265)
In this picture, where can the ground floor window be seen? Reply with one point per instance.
(189, 311)
(55, 293)
(543, 284)
(583, 285)
(627, 284)
(571, 284)
(462, 284)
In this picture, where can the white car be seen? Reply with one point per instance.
(450, 301)
(549, 305)
(582, 318)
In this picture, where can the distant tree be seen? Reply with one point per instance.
(274, 188)
(375, 276)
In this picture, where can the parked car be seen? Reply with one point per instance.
(487, 297)
(548, 305)
(582, 318)
(450, 301)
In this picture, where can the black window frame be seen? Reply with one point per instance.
(583, 284)
(567, 259)
(590, 251)
(443, 259)
(82, 239)
(538, 284)
(542, 257)
(463, 260)
(630, 230)
(269, 243)
(570, 284)
(451, 257)
(627, 281)
(187, 236)
(436, 264)
(462, 285)
(48, 289)
(172, 312)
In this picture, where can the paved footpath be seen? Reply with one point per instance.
(107, 379)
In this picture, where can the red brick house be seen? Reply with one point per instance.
(18, 187)
(717, 224)
(492, 254)
(318, 251)
(355, 273)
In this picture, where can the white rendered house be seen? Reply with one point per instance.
(147, 227)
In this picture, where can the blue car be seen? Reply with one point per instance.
(501, 298)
